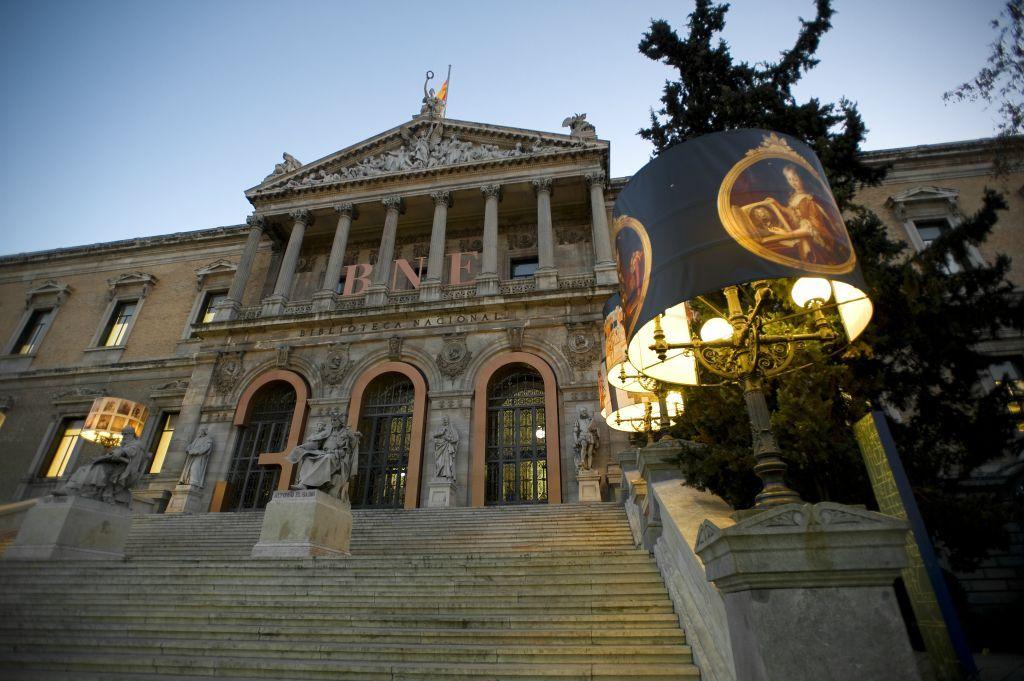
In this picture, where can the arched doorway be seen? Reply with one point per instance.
(386, 423)
(515, 461)
(495, 393)
(266, 428)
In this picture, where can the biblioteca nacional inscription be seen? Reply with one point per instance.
(432, 321)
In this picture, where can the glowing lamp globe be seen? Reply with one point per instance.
(108, 417)
(715, 329)
(810, 290)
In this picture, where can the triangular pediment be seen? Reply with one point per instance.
(918, 194)
(425, 145)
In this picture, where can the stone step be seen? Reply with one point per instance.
(15, 630)
(89, 666)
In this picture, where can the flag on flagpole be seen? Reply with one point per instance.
(442, 94)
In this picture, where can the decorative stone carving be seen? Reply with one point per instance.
(198, 457)
(515, 337)
(220, 266)
(596, 177)
(491, 191)
(110, 478)
(305, 264)
(446, 446)
(393, 202)
(575, 234)
(579, 127)
(420, 250)
(227, 373)
(442, 198)
(471, 245)
(180, 384)
(395, 348)
(433, 106)
(301, 215)
(283, 353)
(6, 403)
(348, 209)
(541, 184)
(256, 220)
(580, 347)
(586, 440)
(287, 165)
(336, 365)
(454, 356)
(522, 238)
(327, 459)
(48, 291)
(128, 280)
(420, 151)
(79, 394)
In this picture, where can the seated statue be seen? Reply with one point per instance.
(327, 459)
(110, 477)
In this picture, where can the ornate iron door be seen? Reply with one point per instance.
(270, 420)
(516, 465)
(386, 425)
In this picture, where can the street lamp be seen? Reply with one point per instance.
(734, 267)
(107, 418)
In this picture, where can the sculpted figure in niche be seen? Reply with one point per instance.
(110, 477)
(587, 438)
(446, 444)
(198, 452)
(328, 458)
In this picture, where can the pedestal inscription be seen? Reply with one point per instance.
(304, 523)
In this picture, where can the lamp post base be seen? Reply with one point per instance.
(769, 467)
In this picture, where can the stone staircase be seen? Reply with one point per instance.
(541, 592)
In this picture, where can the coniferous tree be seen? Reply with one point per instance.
(918, 355)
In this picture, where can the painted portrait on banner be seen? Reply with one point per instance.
(633, 263)
(614, 338)
(776, 204)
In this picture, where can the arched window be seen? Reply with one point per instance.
(385, 420)
(516, 467)
(250, 485)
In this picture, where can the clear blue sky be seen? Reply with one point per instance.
(123, 119)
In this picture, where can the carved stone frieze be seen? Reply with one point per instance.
(395, 348)
(227, 372)
(337, 364)
(468, 245)
(454, 356)
(282, 354)
(515, 337)
(574, 234)
(180, 384)
(581, 346)
(79, 394)
(522, 238)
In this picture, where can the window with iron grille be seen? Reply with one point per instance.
(250, 484)
(386, 424)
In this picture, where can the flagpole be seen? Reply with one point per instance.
(448, 83)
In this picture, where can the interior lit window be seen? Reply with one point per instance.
(28, 340)
(64, 446)
(117, 329)
(521, 268)
(213, 299)
(1009, 372)
(163, 441)
(930, 230)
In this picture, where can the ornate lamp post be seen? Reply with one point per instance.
(750, 250)
(107, 418)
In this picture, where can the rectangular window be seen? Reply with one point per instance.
(1009, 372)
(117, 329)
(65, 445)
(163, 441)
(930, 230)
(520, 268)
(213, 299)
(28, 340)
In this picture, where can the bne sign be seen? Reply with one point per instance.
(461, 270)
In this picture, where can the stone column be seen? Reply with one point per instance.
(808, 593)
(604, 265)
(430, 287)
(283, 288)
(546, 276)
(377, 294)
(324, 298)
(487, 284)
(228, 309)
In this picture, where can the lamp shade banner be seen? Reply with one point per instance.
(726, 209)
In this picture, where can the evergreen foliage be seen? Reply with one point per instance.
(918, 354)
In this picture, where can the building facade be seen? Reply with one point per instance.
(441, 281)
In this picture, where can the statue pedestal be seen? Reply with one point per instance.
(430, 289)
(546, 279)
(488, 285)
(72, 528)
(441, 493)
(376, 296)
(590, 485)
(323, 300)
(186, 499)
(808, 593)
(304, 523)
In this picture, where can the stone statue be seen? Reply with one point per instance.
(432, 106)
(446, 444)
(198, 452)
(586, 440)
(579, 127)
(328, 458)
(110, 477)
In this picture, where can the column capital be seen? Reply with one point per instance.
(491, 191)
(256, 220)
(301, 215)
(349, 209)
(393, 202)
(443, 197)
(541, 184)
(596, 177)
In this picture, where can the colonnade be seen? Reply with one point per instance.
(487, 281)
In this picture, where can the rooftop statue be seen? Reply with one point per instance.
(579, 127)
(287, 165)
(110, 477)
(328, 458)
(432, 104)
